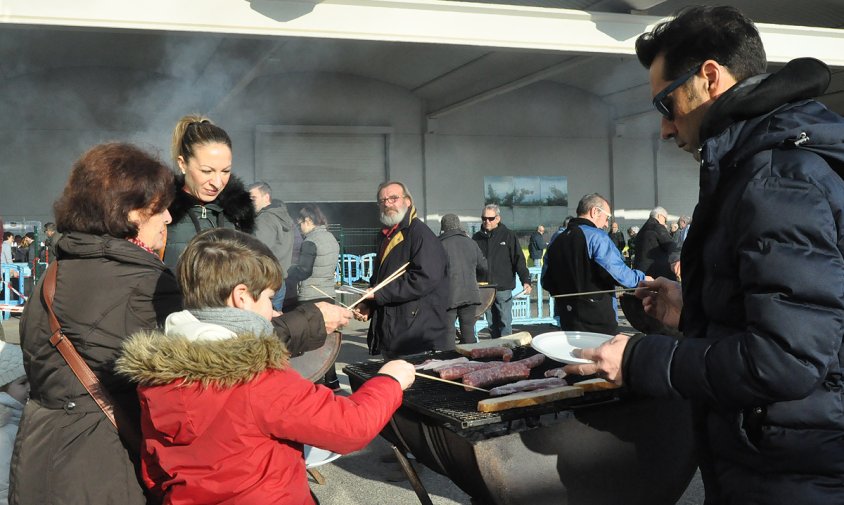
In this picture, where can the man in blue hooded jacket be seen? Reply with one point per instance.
(762, 304)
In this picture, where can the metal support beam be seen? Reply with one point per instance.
(427, 21)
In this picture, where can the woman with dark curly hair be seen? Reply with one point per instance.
(110, 284)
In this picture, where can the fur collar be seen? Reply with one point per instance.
(234, 200)
(152, 358)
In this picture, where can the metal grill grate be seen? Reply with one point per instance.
(453, 405)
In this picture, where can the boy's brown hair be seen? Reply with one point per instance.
(217, 260)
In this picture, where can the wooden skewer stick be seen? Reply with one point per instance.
(383, 283)
(623, 290)
(450, 382)
(329, 296)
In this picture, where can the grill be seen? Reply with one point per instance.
(453, 406)
(607, 447)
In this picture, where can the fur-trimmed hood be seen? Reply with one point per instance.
(207, 354)
(234, 200)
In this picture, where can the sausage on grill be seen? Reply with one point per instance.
(457, 371)
(533, 361)
(504, 353)
(502, 374)
(527, 385)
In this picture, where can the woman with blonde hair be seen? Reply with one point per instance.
(207, 194)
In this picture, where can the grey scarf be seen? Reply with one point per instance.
(237, 320)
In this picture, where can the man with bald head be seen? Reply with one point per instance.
(584, 259)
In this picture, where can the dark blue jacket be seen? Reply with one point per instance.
(763, 292)
(409, 313)
(465, 263)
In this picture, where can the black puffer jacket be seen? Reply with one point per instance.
(655, 250)
(763, 293)
(504, 257)
(232, 209)
(66, 451)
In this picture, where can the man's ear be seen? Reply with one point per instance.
(237, 298)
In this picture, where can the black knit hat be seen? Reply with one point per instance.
(450, 222)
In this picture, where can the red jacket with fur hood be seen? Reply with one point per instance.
(224, 418)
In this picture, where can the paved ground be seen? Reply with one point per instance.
(361, 478)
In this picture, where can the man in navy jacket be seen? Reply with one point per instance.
(408, 314)
(761, 305)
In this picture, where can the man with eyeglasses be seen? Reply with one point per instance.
(761, 306)
(505, 260)
(584, 259)
(408, 315)
(659, 254)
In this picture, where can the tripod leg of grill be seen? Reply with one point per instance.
(318, 477)
(413, 477)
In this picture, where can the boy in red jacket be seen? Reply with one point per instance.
(224, 418)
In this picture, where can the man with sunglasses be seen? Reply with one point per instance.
(505, 260)
(761, 305)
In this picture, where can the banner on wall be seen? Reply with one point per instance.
(528, 201)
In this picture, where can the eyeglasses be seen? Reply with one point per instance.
(605, 212)
(390, 199)
(488, 218)
(661, 102)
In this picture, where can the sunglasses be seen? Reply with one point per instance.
(488, 218)
(662, 103)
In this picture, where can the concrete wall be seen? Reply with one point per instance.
(544, 129)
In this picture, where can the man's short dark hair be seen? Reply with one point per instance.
(263, 187)
(50, 227)
(701, 33)
(588, 202)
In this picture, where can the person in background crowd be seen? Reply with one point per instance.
(673, 229)
(207, 195)
(274, 227)
(656, 251)
(8, 240)
(683, 230)
(465, 264)
(317, 257)
(408, 315)
(112, 214)
(14, 391)
(505, 260)
(233, 432)
(560, 229)
(48, 252)
(761, 305)
(25, 252)
(537, 245)
(631, 244)
(314, 271)
(617, 236)
(584, 259)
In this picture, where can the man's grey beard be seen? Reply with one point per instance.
(388, 220)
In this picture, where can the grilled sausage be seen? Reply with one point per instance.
(533, 361)
(504, 353)
(508, 372)
(457, 371)
(527, 385)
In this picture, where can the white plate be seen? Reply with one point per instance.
(314, 456)
(558, 345)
